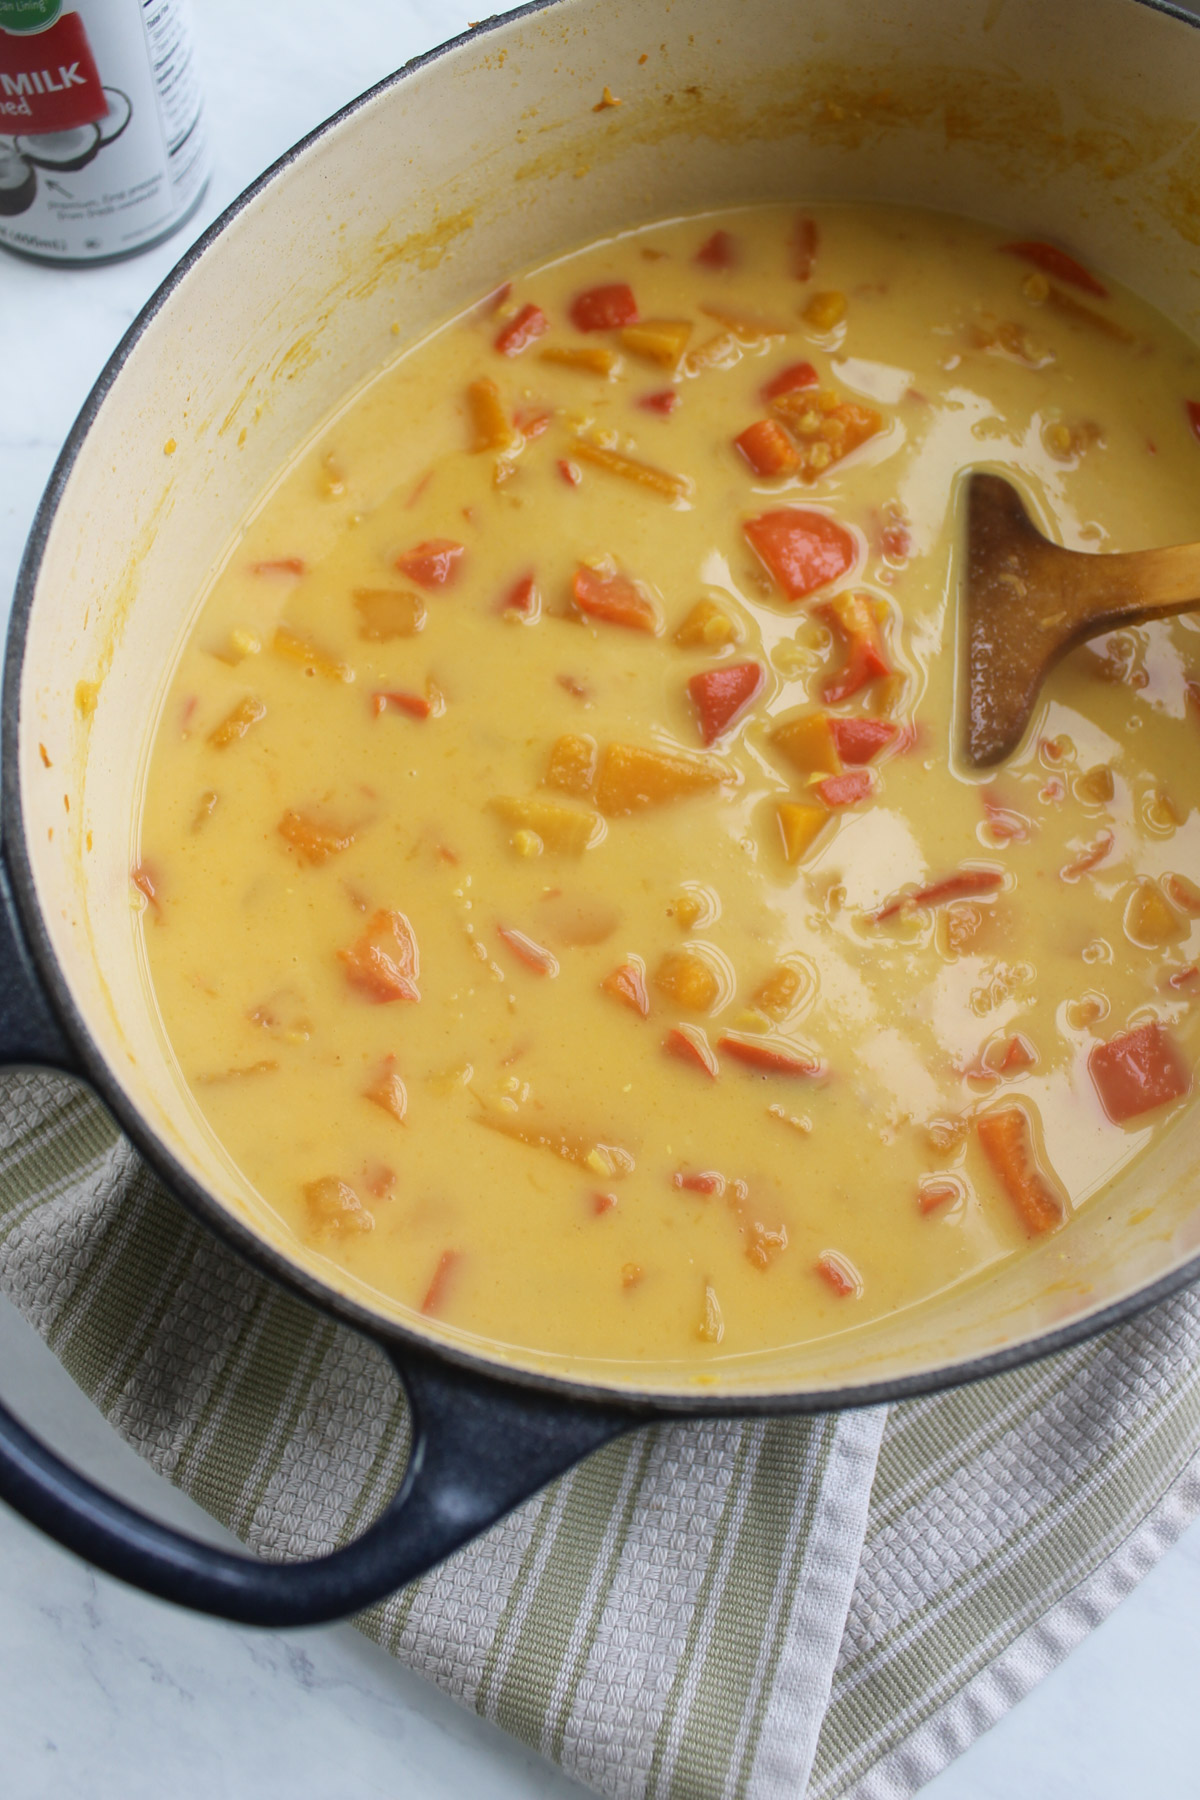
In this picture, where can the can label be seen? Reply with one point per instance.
(102, 147)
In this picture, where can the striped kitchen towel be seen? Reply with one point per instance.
(834, 1606)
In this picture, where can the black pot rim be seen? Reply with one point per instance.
(197, 1198)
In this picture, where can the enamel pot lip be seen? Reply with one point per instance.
(198, 1200)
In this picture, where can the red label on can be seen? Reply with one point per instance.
(49, 81)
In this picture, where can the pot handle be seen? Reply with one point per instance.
(479, 1448)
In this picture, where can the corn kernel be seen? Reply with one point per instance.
(825, 310)
(527, 843)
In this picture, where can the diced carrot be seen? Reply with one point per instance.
(531, 421)
(530, 323)
(790, 381)
(289, 644)
(767, 448)
(379, 1180)
(602, 1203)
(1019, 1053)
(614, 599)
(237, 723)
(433, 564)
(435, 1293)
(707, 627)
(608, 1161)
(804, 247)
(938, 1190)
(535, 956)
(687, 979)
(387, 613)
(963, 885)
(383, 963)
(279, 565)
(1192, 409)
(853, 618)
(1137, 1071)
(146, 881)
(628, 468)
(661, 341)
(490, 427)
(1053, 261)
(523, 597)
(708, 1181)
(766, 1057)
(840, 1274)
(799, 827)
(690, 1044)
(1006, 1138)
(1089, 858)
(628, 985)
(417, 706)
(589, 359)
(847, 789)
(387, 1091)
(334, 1208)
(313, 841)
(571, 473)
(664, 401)
(572, 764)
(722, 695)
(859, 740)
(717, 252)
(809, 744)
(633, 779)
(604, 308)
(802, 550)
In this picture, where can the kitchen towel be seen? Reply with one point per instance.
(831, 1606)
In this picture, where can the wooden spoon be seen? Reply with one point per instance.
(1030, 601)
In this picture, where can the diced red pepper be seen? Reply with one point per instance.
(895, 540)
(417, 706)
(530, 323)
(435, 1293)
(1053, 261)
(1006, 825)
(571, 473)
(1192, 409)
(790, 380)
(839, 1273)
(604, 308)
(279, 565)
(532, 954)
(852, 617)
(146, 881)
(966, 884)
(937, 1190)
(721, 695)
(690, 1045)
(847, 789)
(1006, 1139)
(615, 599)
(602, 1203)
(522, 597)
(628, 985)
(531, 421)
(708, 1181)
(1089, 858)
(767, 1058)
(718, 252)
(803, 550)
(858, 740)
(434, 563)
(664, 401)
(1137, 1071)
(383, 964)
(768, 449)
(804, 247)
(1184, 978)
(1019, 1053)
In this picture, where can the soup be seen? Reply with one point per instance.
(559, 887)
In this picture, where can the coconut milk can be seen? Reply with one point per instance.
(102, 144)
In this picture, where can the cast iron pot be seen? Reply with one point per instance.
(1073, 120)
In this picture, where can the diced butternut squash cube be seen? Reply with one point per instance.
(661, 341)
(808, 744)
(1150, 919)
(688, 980)
(779, 992)
(314, 840)
(572, 765)
(825, 310)
(633, 779)
(237, 723)
(799, 828)
(707, 628)
(560, 828)
(387, 613)
(334, 1209)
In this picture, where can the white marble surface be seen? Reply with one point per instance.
(110, 1696)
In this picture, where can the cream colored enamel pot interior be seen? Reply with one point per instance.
(1075, 119)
